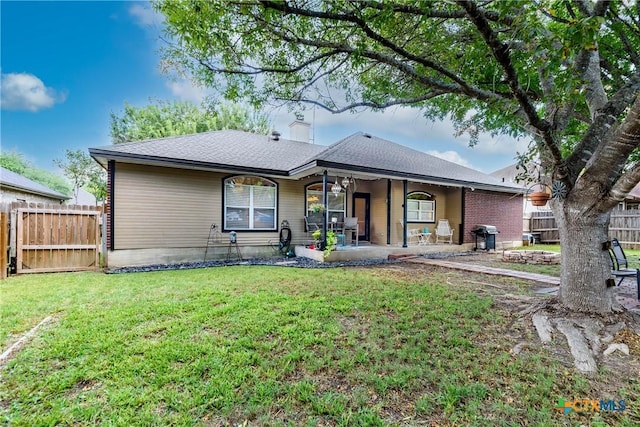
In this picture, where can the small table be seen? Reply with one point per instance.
(424, 239)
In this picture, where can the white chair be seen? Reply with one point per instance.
(350, 227)
(414, 236)
(444, 231)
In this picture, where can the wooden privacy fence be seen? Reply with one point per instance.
(4, 244)
(52, 238)
(624, 226)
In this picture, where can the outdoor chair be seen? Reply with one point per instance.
(350, 227)
(414, 236)
(444, 232)
(620, 266)
(310, 227)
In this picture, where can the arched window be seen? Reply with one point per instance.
(314, 198)
(250, 203)
(421, 207)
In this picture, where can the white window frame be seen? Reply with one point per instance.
(313, 196)
(421, 211)
(251, 207)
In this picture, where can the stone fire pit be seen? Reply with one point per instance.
(531, 257)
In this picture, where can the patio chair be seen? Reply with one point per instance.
(414, 236)
(350, 227)
(310, 227)
(444, 231)
(620, 266)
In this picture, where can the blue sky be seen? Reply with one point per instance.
(67, 65)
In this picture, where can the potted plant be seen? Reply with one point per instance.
(316, 208)
(539, 198)
(331, 242)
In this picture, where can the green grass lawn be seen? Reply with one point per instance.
(282, 346)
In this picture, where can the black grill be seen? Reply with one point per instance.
(486, 233)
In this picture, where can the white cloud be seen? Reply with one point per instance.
(22, 91)
(185, 90)
(144, 16)
(451, 156)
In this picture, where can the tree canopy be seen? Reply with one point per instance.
(15, 162)
(564, 73)
(83, 172)
(169, 118)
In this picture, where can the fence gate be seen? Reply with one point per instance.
(57, 238)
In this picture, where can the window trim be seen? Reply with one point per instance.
(226, 228)
(431, 199)
(306, 200)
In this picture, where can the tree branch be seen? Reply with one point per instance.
(371, 34)
(367, 104)
(603, 124)
(500, 52)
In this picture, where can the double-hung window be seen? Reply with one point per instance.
(250, 203)
(421, 207)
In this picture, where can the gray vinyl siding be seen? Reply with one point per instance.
(174, 208)
(163, 207)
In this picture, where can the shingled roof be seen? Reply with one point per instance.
(18, 182)
(367, 153)
(231, 150)
(216, 150)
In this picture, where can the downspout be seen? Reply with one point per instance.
(111, 167)
(388, 212)
(405, 186)
(325, 202)
(464, 215)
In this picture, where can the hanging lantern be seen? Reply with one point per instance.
(336, 188)
(345, 182)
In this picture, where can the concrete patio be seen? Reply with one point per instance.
(366, 251)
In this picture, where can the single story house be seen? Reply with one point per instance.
(165, 194)
(17, 188)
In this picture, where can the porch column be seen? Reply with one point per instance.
(325, 203)
(405, 185)
(388, 212)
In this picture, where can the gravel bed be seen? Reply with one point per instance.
(280, 262)
(297, 262)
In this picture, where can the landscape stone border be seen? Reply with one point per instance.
(531, 257)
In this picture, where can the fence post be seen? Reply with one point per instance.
(4, 244)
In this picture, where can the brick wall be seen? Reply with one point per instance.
(504, 210)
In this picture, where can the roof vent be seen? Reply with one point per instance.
(366, 135)
(275, 135)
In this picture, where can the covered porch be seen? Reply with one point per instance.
(388, 212)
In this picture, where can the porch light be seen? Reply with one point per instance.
(349, 183)
(336, 188)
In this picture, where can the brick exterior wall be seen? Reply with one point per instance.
(503, 210)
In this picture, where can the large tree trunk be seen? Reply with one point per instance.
(585, 265)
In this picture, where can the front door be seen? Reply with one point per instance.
(361, 202)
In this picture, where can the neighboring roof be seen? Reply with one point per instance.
(242, 151)
(15, 181)
(224, 150)
(635, 192)
(84, 198)
(510, 173)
